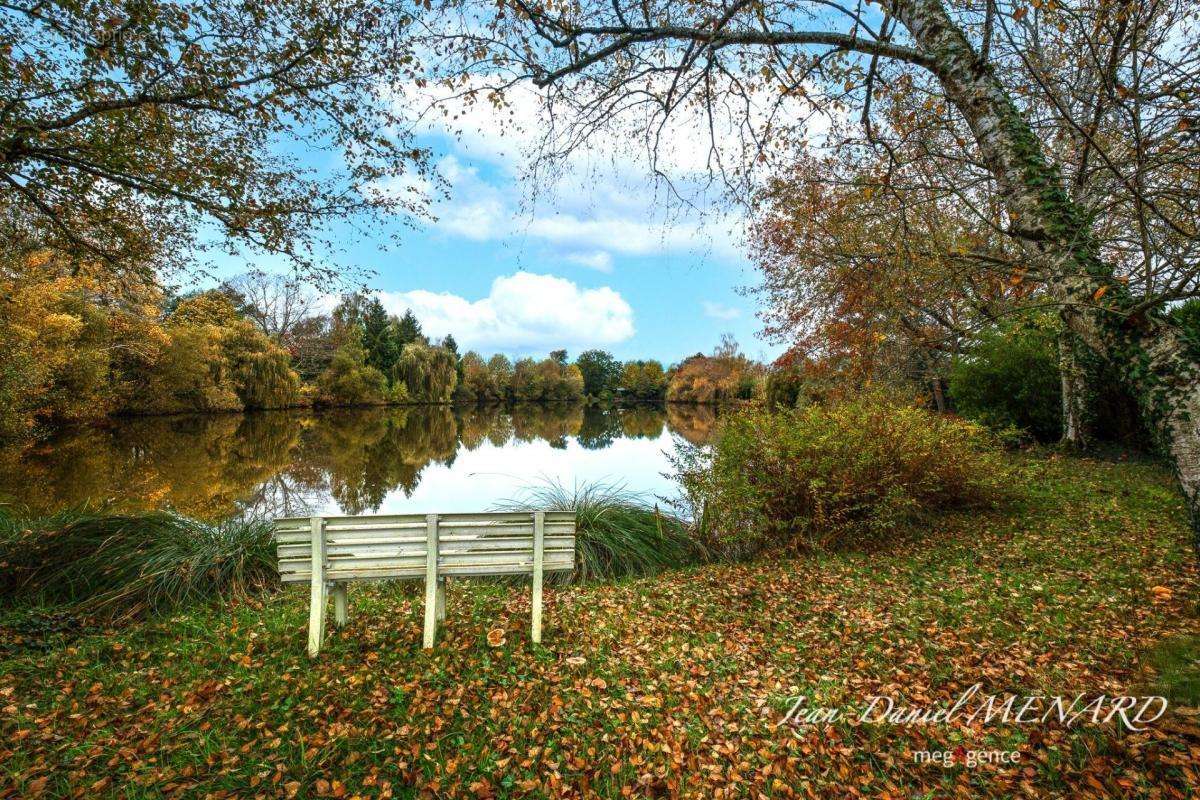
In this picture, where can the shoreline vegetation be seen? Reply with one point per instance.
(767, 482)
(97, 567)
(78, 358)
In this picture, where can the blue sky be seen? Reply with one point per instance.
(600, 256)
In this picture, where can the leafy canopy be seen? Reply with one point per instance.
(132, 130)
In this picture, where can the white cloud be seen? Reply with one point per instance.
(601, 196)
(720, 311)
(523, 312)
(623, 234)
(598, 260)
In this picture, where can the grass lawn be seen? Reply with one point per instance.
(657, 686)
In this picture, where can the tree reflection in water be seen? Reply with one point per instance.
(291, 463)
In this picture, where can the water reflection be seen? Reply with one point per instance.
(353, 461)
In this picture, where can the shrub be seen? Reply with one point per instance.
(349, 381)
(1011, 379)
(117, 567)
(830, 476)
(618, 532)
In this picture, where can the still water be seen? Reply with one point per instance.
(352, 461)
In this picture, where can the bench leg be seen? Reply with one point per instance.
(316, 618)
(340, 610)
(430, 613)
(431, 580)
(539, 537)
(536, 627)
(319, 589)
(441, 600)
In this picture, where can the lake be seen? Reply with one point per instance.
(408, 459)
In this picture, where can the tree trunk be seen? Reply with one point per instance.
(1074, 393)
(939, 396)
(1152, 358)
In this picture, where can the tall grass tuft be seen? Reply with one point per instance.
(618, 532)
(115, 567)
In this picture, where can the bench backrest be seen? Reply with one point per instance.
(390, 547)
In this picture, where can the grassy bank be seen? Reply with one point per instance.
(118, 567)
(656, 685)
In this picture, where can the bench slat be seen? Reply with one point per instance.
(394, 546)
(483, 559)
(418, 535)
(296, 552)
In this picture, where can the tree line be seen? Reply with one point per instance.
(79, 348)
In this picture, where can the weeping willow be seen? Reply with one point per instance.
(267, 380)
(428, 374)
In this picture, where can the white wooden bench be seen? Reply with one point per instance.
(329, 552)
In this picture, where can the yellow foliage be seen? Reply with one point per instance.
(74, 346)
(61, 346)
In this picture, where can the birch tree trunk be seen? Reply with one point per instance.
(1076, 432)
(1156, 364)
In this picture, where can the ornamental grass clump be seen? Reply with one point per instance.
(618, 532)
(836, 475)
(116, 567)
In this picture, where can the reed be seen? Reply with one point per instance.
(121, 566)
(618, 532)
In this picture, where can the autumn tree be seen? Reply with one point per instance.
(643, 380)
(66, 354)
(215, 359)
(982, 72)
(349, 380)
(311, 345)
(477, 383)
(548, 379)
(278, 304)
(501, 370)
(724, 376)
(871, 284)
(601, 372)
(129, 129)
